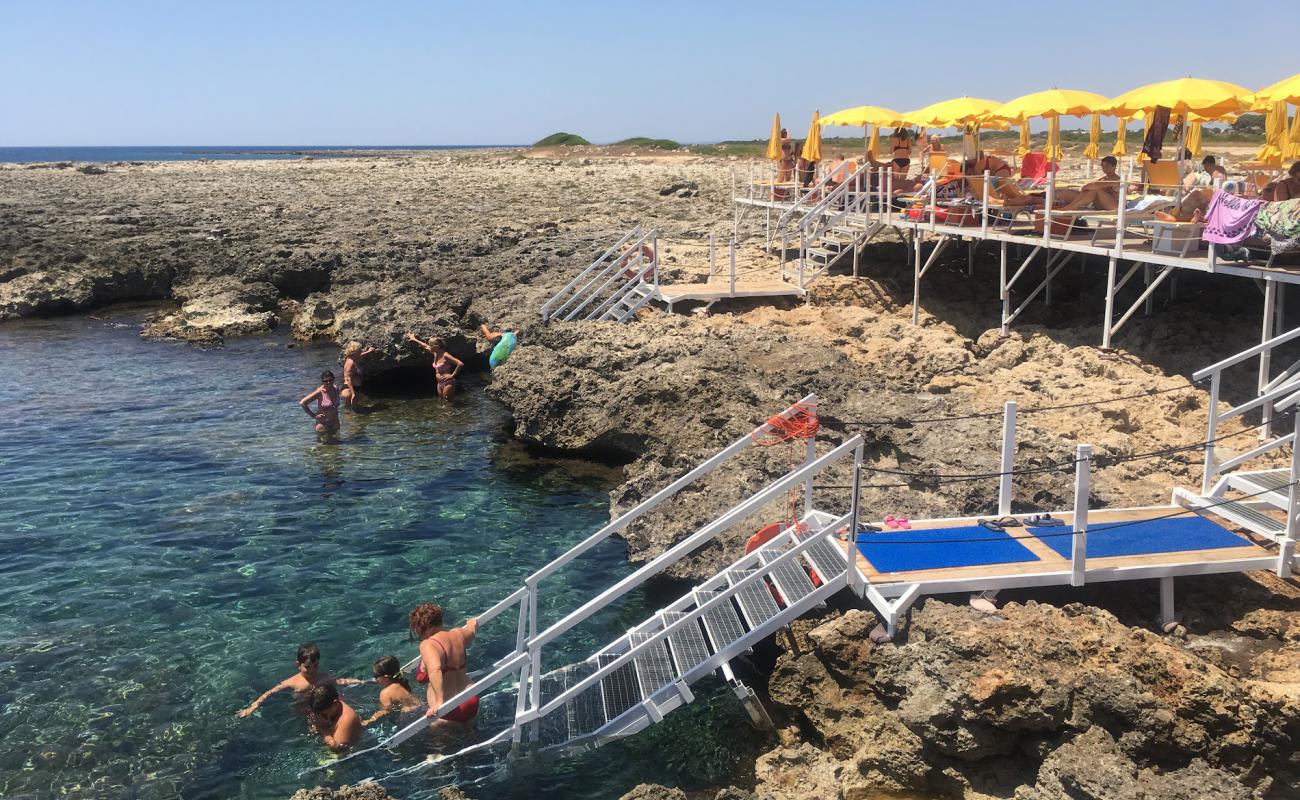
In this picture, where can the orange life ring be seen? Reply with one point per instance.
(648, 259)
(764, 535)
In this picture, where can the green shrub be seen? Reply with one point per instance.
(561, 138)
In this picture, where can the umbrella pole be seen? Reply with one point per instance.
(1182, 147)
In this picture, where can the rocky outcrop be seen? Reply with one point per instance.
(362, 791)
(1039, 700)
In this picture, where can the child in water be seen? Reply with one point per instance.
(334, 719)
(395, 690)
(308, 677)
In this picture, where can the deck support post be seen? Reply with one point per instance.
(1003, 292)
(810, 455)
(1286, 548)
(1082, 489)
(1167, 600)
(916, 279)
(970, 257)
(733, 269)
(713, 255)
(1266, 357)
(1047, 285)
(1150, 298)
(1008, 457)
(1111, 268)
(855, 577)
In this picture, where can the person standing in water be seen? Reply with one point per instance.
(334, 719)
(395, 691)
(442, 653)
(445, 366)
(308, 677)
(353, 373)
(327, 401)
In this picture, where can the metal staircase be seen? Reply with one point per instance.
(832, 229)
(645, 674)
(618, 284)
(1256, 500)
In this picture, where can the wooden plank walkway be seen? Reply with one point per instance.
(721, 290)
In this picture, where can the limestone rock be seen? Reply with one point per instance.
(650, 791)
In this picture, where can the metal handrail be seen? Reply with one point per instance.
(614, 270)
(636, 231)
(799, 202)
(1262, 347)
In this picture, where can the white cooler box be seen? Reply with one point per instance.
(1176, 238)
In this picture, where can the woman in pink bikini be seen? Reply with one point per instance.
(327, 404)
(443, 662)
(445, 365)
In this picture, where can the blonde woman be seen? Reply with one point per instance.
(353, 373)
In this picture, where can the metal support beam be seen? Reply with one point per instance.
(1266, 355)
(1167, 600)
(1082, 490)
(916, 279)
(1165, 272)
(1008, 457)
(1061, 258)
(1286, 548)
(1002, 288)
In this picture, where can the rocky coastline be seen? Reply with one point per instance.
(1063, 695)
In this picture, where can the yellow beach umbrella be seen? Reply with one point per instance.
(1022, 149)
(953, 113)
(774, 144)
(864, 115)
(812, 146)
(1274, 135)
(1286, 90)
(1194, 139)
(1093, 150)
(1293, 140)
(1121, 134)
(1051, 103)
(1206, 99)
(873, 147)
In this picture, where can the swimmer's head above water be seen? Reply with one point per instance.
(386, 669)
(325, 702)
(326, 377)
(308, 659)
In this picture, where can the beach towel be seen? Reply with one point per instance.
(1151, 202)
(1280, 222)
(1156, 134)
(1230, 218)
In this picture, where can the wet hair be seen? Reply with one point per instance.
(308, 652)
(1110, 160)
(323, 696)
(326, 376)
(1208, 161)
(1295, 169)
(351, 348)
(387, 667)
(423, 617)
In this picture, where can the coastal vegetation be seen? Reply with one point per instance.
(561, 139)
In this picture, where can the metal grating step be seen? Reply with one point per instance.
(688, 647)
(790, 579)
(584, 713)
(1256, 521)
(620, 689)
(826, 558)
(653, 665)
(1274, 480)
(755, 599)
(721, 622)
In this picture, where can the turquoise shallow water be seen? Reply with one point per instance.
(171, 530)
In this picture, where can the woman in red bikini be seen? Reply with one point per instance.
(442, 656)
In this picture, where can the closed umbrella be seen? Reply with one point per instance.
(1121, 133)
(1093, 150)
(812, 146)
(774, 144)
(873, 147)
(1274, 135)
(1053, 148)
(1194, 139)
(1022, 149)
(1293, 140)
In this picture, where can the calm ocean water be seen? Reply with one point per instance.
(30, 155)
(171, 531)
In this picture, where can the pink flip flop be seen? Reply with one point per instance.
(891, 522)
(900, 522)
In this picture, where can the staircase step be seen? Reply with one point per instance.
(720, 622)
(826, 558)
(654, 665)
(790, 579)
(1243, 515)
(620, 689)
(687, 643)
(1273, 486)
(586, 712)
(755, 600)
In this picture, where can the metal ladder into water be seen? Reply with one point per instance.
(615, 286)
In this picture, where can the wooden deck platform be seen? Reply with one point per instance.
(721, 290)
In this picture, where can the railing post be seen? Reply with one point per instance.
(1119, 222)
(1082, 489)
(1212, 424)
(1266, 356)
(1047, 210)
(916, 278)
(1008, 457)
(984, 206)
(713, 259)
(654, 248)
(934, 202)
(1286, 548)
(733, 267)
(855, 577)
(810, 455)
(1003, 290)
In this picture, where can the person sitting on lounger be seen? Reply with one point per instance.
(1002, 184)
(934, 146)
(1287, 188)
(1101, 194)
(1206, 175)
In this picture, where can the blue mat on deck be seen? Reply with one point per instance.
(969, 546)
(1144, 538)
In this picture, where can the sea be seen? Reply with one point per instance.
(35, 155)
(172, 529)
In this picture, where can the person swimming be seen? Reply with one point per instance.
(442, 653)
(445, 366)
(395, 691)
(327, 404)
(308, 677)
(336, 722)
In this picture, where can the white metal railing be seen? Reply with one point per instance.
(526, 657)
(623, 268)
(803, 200)
(847, 198)
(1274, 394)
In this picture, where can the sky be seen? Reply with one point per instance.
(192, 72)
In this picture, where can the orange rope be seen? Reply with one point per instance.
(802, 424)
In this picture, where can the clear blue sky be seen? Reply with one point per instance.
(435, 72)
